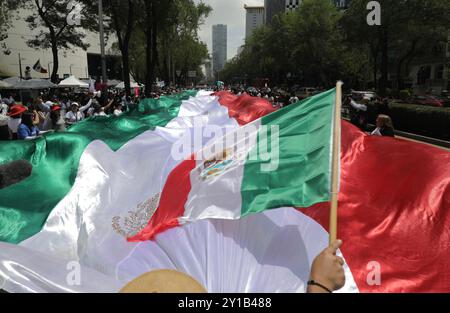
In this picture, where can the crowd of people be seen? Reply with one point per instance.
(57, 111)
(277, 96)
(356, 105)
(359, 115)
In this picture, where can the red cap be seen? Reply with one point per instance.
(56, 108)
(17, 110)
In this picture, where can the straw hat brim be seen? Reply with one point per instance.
(164, 281)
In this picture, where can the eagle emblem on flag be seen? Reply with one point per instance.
(218, 164)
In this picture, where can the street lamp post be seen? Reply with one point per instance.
(49, 71)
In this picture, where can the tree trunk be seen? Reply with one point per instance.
(375, 68)
(154, 60)
(54, 76)
(126, 69)
(384, 63)
(148, 55)
(399, 82)
(406, 58)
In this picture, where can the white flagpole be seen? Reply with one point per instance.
(335, 162)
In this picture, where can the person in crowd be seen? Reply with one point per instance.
(98, 110)
(117, 109)
(4, 118)
(385, 126)
(76, 114)
(27, 129)
(293, 99)
(43, 110)
(27, 73)
(327, 271)
(15, 119)
(9, 100)
(57, 120)
(358, 113)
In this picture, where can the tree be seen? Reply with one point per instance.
(169, 31)
(55, 33)
(408, 29)
(7, 8)
(306, 44)
(123, 29)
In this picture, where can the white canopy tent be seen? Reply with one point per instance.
(4, 85)
(73, 82)
(113, 82)
(132, 85)
(29, 84)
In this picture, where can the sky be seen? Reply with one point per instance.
(231, 13)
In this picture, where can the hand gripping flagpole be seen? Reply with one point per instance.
(335, 170)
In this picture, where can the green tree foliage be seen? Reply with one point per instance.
(306, 44)
(170, 31)
(122, 14)
(55, 33)
(7, 13)
(409, 29)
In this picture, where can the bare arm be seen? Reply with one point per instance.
(106, 107)
(87, 106)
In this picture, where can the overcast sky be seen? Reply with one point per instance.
(231, 13)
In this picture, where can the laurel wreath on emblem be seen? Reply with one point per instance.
(136, 221)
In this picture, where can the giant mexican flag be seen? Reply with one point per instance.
(118, 197)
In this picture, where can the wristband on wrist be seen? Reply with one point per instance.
(314, 283)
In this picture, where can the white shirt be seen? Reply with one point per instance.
(3, 117)
(117, 112)
(358, 106)
(13, 124)
(376, 132)
(46, 124)
(73, 118)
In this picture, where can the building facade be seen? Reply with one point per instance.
(219, 47)
(254, 18)
(274, 7)
(431, 74)
(77, 62)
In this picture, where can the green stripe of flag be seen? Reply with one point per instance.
(303, 175)
(25, 206)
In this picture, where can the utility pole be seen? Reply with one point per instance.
(102, 41)
(20, 67)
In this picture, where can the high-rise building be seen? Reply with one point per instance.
(254, 18)
(342, 4)
(274, 7)
(219, 47)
